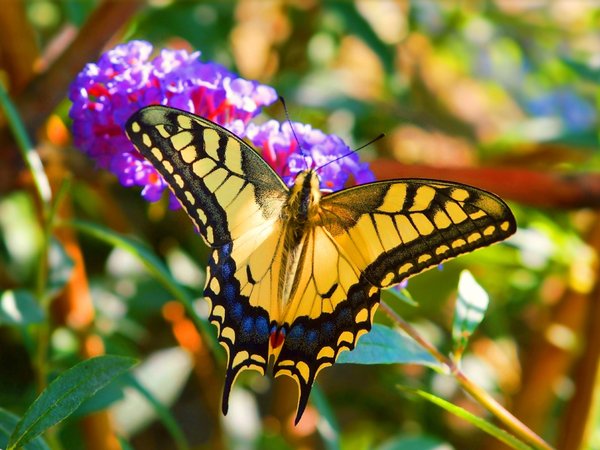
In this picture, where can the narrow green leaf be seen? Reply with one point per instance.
(471, 305)
(483, 425)
(165, 416)
(64, 395)
(28, 151)
(584, 71)
(157, 268)
(159, 381)
(356, 22)
(384, 345)
(8, 422)
(18, 307)
(392, 295)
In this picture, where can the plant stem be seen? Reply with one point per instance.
(30, 155)
(513, 424)
(43, 193)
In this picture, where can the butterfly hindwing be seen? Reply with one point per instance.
(234, 198)
(331, 307)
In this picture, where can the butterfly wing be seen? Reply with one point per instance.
(371, 237)
(331, 307)
(235, 199)
(394, 229)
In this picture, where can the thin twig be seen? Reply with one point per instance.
(518, 428)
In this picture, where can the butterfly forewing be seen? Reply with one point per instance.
(395, 229)
(224, 186)
(234, 198)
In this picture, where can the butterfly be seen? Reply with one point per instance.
(295, 275)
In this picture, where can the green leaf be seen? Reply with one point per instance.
(28, 150)
(356, 22)
(483, 425)
(8, 422)
(384, 345)
(153, 388)
(163, 413)
(64, 395)
(471, 305)
(19, 307)
(583, 70)
(392, 295)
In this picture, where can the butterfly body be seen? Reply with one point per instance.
(295, 275)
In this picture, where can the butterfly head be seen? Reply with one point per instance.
(305, 195)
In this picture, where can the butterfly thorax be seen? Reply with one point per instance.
(299, 215)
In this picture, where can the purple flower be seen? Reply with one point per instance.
(105, 94)
(126, 78)
(313, 150)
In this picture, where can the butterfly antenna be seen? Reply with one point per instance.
(287, 117)
(381, 136)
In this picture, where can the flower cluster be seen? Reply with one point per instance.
(127, 78)
(306, 148)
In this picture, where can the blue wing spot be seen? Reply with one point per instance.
(328, 331)
(226, 250)
(262, 326)
(247, 325)
(226, 270)
(297, 332)
(229, 293)
(237, 311)
(345, 315)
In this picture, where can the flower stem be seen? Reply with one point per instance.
(482, 397)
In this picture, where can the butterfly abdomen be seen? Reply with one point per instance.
(300, 213)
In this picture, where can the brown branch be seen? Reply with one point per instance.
(46, 91)
(18, 49)
(533, 188)
(545, 363)
(577, 418)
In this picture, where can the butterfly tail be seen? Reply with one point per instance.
(230, 377)
(302, 401)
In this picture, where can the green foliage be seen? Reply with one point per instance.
(65, 394)
(8, 422)
(19, 307)
(471, 304)
(498, 433)
(383, 345)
